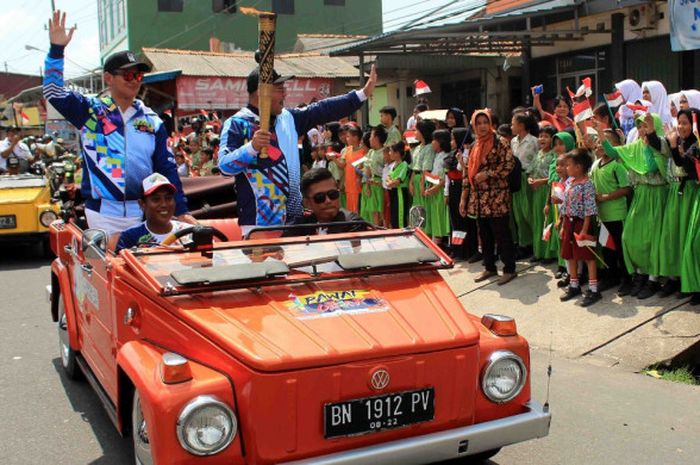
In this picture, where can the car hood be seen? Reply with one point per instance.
(20, 195)
(330, 322)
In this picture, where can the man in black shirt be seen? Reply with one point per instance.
(322, 198)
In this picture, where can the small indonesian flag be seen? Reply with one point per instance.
(359, 162)
(458, 237)
(410, 136)
(25, 117)
(421, 88)
(638, 109)
(615, 99)
(605, 238)
(581, 106)
(547, 232)
(585, 88)
(204, 113)
(585, 240)
(558, 190)
(432, 179)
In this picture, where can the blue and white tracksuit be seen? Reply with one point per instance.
(117, 155)
(268, 188)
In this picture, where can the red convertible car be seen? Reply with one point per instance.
(332, 349)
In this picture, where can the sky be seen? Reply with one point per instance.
(23, 23)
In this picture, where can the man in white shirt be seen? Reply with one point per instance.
(13, 145)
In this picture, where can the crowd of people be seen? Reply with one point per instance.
(612, 199)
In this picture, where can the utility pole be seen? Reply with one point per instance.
(6, 68)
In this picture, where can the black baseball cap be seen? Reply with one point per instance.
(122, 60)
(254, 77)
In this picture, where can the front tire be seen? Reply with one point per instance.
(139, 433)
(68, 355)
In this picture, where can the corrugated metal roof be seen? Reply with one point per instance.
(240, 64)
(322, 43)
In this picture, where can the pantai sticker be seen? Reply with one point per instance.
(323, 304)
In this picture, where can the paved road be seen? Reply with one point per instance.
(601, 415)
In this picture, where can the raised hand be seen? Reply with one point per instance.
(371, 82)
(57, 29)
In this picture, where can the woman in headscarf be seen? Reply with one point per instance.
(689, 99)
(631, 92)
(681, 255)
(685, 153)
(655, 92)
(647, 168)
(674, 100)
(486, 196)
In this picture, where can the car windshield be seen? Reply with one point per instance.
(275, 258)
(21, 180)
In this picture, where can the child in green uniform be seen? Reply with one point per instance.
(538, 182)
(641, 236)
(399, 199)
(434, 187)
(387, 115)
(524, 146)
(424, 134)
(612, 187)
(372, 197)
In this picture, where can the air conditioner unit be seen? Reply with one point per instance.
(643, 17)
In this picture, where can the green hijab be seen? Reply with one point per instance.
(641, 157)
(567, 139)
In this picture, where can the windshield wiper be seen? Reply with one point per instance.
(230, 273)
(386, 258)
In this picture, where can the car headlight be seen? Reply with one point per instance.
(503, 377)
(47, 217)
(206, 426)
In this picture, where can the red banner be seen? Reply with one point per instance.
(230, 93)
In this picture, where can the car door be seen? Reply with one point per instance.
(93, 278)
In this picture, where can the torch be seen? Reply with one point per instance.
(267, 23)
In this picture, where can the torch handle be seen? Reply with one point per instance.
(265, 99)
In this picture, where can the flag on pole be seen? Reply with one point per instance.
(585, 240)
(605, 239)
(547, 232)
(581, 106)
(421, 88)
(615, 99)
(585, 88)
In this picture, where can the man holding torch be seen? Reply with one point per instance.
(266, 163)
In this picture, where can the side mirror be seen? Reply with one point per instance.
(416, 217)
(94, 240)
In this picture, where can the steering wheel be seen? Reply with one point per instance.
(202, 236)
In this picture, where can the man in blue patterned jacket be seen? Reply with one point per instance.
(268, 188)
(123, 141)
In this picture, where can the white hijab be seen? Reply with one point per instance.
(659, 100)
(675, 101)
(631, 92)
(693, 97)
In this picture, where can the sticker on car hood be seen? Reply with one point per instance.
(322, 304)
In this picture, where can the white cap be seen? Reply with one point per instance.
(155, 181)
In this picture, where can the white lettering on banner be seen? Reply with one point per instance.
(229, 93)
(685, 24)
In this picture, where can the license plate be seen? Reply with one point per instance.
(371, 414)
(8, 222)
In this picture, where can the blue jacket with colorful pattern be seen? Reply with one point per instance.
(269, 188)
(116, 155)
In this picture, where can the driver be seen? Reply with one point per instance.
(320, 196)
(158, 205)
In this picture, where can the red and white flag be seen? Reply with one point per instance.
(615, 99)
(558, 190)
(581, 106)
(637, 108)
(585, 240)
(432, 178)
(547, 232)
(585, 88)
(605, 239)
(421, 88)
(458, 237)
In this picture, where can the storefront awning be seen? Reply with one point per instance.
(489, 31)
(161, 76)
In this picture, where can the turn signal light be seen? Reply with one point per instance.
(500, 325)
(174, 369)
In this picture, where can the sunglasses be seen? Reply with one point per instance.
(129, 76)
(320, 197)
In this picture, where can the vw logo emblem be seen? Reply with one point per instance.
(379, 379)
